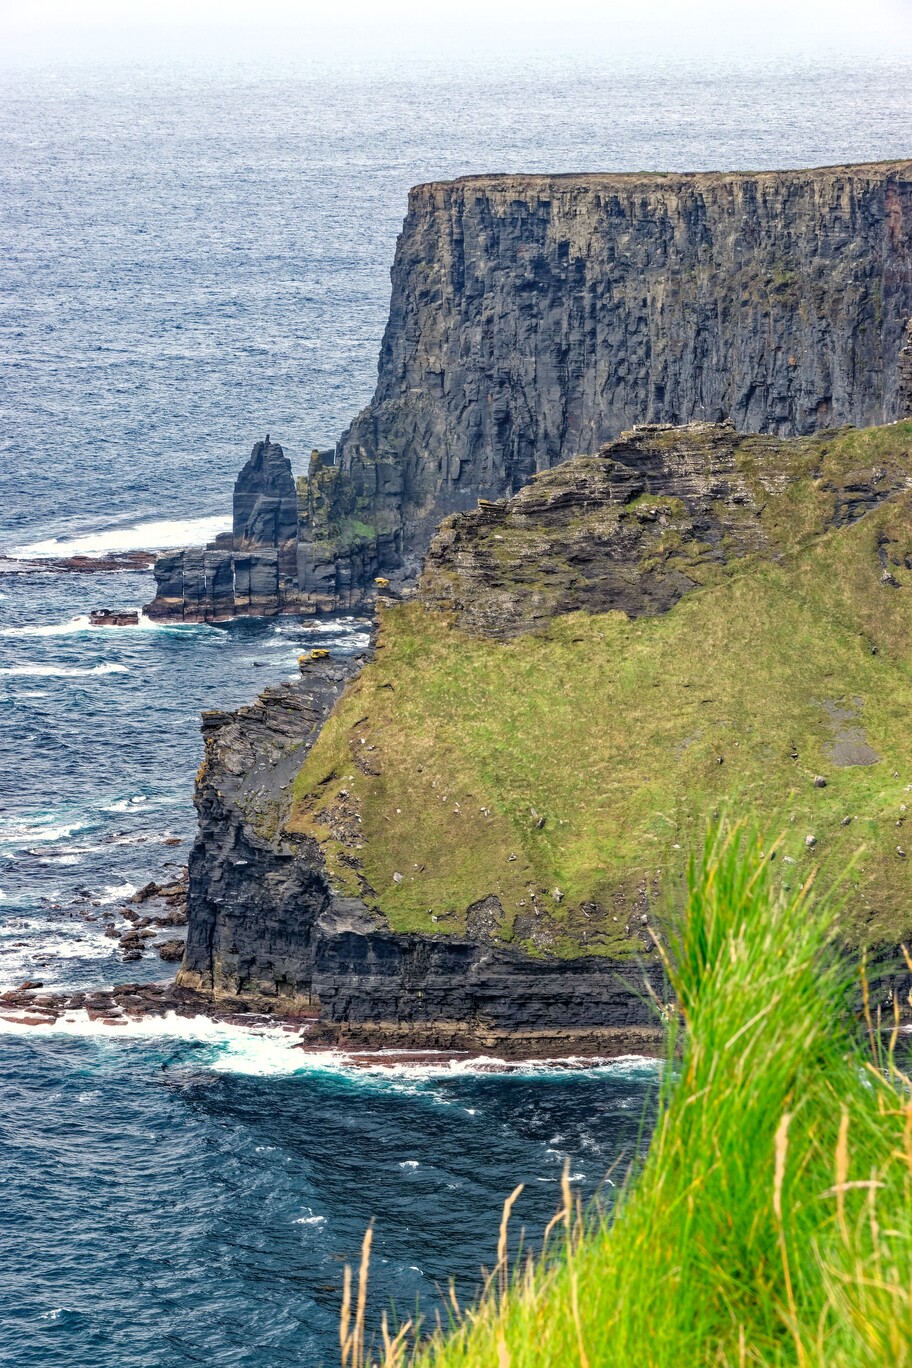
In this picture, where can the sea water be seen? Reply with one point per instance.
(192, 257)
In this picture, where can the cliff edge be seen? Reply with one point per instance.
(534, 318)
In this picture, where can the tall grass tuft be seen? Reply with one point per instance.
(771, 1222)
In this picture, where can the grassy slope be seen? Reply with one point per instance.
(613, 730)
(772, 1221)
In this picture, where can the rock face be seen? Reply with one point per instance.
(251, 571)
(534, 318)
(905, 376)
(265, 923)
(634, 527)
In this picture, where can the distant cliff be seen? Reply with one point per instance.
(533, 318)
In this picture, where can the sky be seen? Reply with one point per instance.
(739, 29)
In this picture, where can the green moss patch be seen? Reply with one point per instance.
(561, 772)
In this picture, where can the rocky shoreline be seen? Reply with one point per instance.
(369, 1047)
(79, 565)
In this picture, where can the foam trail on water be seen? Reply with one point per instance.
(83, 623)
(272, 1051)
(148, 536)
(77, 624)
(64, 671)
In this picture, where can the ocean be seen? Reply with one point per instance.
(193, 256)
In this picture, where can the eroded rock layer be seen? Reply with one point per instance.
(646, 519)
(265, 923)
(536, 317)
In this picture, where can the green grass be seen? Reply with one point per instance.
(771, 1222)
(591, 752)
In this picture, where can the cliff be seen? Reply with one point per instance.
(266, 923)
(534, 318)
(463, 843)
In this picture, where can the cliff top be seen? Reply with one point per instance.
(538, 181)
(556, 771)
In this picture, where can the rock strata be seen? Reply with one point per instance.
(265, 923)
(636, 526)
(249, 572)
(534, 318)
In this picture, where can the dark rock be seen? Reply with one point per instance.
(79, 565)
(30, 984)
(149, 890)
(536, 317)
(252, 571)
(265, 924)
(108, 617)
(171, 949)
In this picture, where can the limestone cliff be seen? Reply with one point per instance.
(265, 921)
(463, 845)
(536, 317)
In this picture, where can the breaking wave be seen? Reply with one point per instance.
(148, 536)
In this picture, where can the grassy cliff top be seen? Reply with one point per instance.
(560, 772)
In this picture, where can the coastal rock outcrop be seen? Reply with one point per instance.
(248, 572)
(646, 519)
(534, 318)
(266, 924)
(462, 848)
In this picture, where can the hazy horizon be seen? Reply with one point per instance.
(360, 32)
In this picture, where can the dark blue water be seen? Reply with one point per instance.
(189, 258)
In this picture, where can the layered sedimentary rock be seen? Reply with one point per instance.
(534, 318)
(634, 527)
(265, 922)
(250, 571)
(289, 899)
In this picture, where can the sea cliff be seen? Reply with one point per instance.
(533, 318)
(466, 843)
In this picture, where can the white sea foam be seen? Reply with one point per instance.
(77, 624)
(117, 893)
(149, 536)
(64, 671)
(37, 830)
(275, 1051)
(83, 623)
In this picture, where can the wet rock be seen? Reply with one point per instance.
(109, 617)
(149, 890)
(171, 950)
